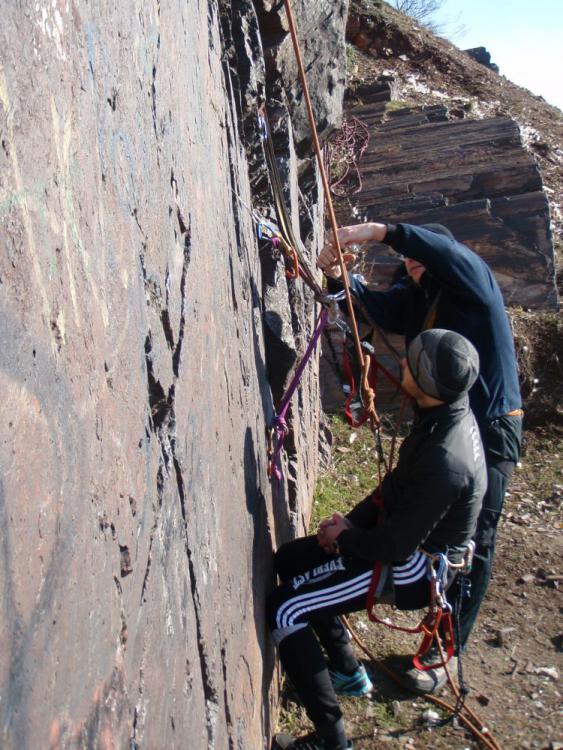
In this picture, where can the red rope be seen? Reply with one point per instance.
(343, 151)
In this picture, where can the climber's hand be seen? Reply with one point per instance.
(329, 530)
(355, 234)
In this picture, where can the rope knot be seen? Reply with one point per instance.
(281, 425)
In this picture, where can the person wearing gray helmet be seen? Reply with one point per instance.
(428, 504)
(447, 285)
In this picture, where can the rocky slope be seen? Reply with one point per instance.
(429, 70)
(138, 332)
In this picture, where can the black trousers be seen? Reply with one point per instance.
(303, 616)
(502, 439)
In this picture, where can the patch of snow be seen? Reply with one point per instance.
(481, 109)
(529, 135)
(413, 83)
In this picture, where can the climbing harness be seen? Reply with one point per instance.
(438, 623)
(439, 614)
(438, 618)
(437, 626)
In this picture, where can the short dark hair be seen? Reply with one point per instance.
(438, 229)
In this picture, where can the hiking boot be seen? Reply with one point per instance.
(432, 680)
(353, 685)
(308, 742)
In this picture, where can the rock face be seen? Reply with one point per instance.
(427, 70)
(483, 56)
(137, 520)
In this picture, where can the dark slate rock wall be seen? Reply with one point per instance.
(423, 165)
(136, 517)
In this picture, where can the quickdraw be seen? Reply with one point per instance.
(269, 233)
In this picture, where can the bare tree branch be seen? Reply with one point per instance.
(421, 10)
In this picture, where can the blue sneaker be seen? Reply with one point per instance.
(355, 685)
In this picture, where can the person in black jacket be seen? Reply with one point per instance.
(431, 502)
(448, 286)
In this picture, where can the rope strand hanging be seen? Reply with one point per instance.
(287, 239)
(362, 359)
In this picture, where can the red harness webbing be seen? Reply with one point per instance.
(437, 617)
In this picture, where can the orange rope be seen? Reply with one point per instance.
(332, 216)
(472, 721)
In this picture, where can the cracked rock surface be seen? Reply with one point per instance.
(137, 520)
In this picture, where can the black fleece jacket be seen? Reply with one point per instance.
(433, 496)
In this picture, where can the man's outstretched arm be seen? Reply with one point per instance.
(356, 234)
